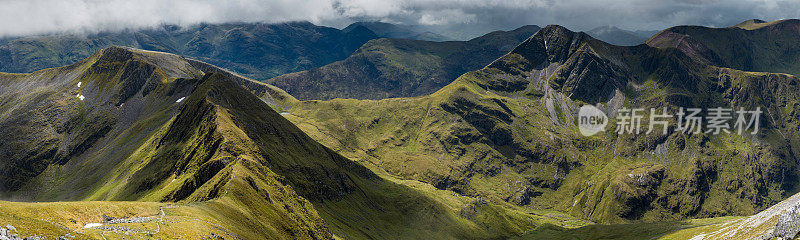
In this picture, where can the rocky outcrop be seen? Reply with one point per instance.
(11, 233)
(788, 225)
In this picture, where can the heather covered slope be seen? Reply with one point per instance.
(256, 50)
(752, 45)
(507, 133)
(385, 68)
(155, 128)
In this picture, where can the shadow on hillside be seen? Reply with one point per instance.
(614, 231)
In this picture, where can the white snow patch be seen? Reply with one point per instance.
(285, 113)
(79, 84)
(91, 225)
(180, 99)
(81, 97)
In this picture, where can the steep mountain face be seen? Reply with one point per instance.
(145, 127)
(388, 30)
(256, 50)
(385, 68)
(753, 45)
(507, 133)
(616, 36)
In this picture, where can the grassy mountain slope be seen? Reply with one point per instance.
(507, 133)
(750, 46)
(384, 68)
(155, 128)
(257, 50)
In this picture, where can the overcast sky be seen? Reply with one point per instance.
(24, 17)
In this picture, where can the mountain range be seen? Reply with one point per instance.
(388, 30)
(400, 63)
(256, 50)
(617, 36)
(387, 67)
(191, 150)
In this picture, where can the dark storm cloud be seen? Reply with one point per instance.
(22, 17)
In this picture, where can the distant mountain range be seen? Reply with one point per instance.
(616, 36)
(384, 68)
(256, 50)
(388, 30)
(263, 51)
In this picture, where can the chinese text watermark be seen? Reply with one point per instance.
(592, 120)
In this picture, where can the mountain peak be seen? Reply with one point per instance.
(554, 29)
(173, 66)
(115, 53)
(553, 43)
(561, 34)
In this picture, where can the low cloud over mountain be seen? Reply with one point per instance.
(448, 16)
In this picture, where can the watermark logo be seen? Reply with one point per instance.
(687, 120)
(591, 120)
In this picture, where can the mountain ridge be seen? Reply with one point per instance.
(768, 47)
